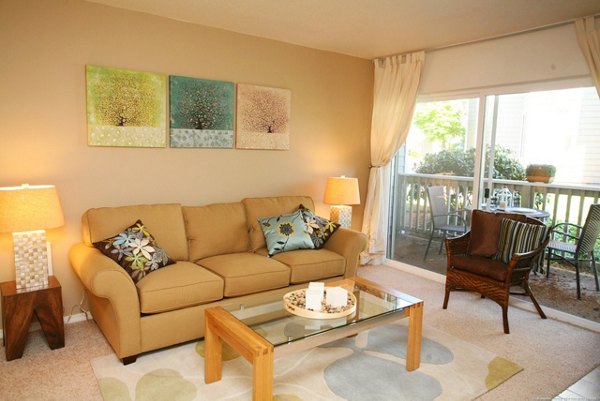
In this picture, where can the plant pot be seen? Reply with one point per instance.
(540, 173)
(540, 178)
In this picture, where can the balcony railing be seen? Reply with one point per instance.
(564, 203)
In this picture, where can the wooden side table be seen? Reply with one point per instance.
(18, 309)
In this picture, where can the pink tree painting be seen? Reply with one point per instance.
(263, 117)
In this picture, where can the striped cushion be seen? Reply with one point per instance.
(517, 237)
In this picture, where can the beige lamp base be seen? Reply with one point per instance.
(31, 260)
(341, 214)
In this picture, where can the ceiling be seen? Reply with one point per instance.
(367, 28)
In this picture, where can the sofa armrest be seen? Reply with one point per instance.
(348, 243)
(104, 278)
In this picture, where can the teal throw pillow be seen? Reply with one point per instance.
(285, 233)
(518, 237)
(135, 250)
(319, 228)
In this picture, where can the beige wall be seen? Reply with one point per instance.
(45, 46)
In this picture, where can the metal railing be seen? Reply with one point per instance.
(564, 202)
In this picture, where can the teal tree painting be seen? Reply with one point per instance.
(201, 113)
(263, 117)
(125, 108)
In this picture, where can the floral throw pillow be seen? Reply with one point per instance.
(285, 233)
(135, 250)
(319, 228)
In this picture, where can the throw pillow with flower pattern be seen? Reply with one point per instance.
(135, 250)
(319, 228)
(286, 232)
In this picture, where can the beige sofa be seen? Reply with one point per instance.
(220, 253)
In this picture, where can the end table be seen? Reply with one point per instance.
(19, 307)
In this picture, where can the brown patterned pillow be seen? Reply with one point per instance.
(319, 228)
(135, 250)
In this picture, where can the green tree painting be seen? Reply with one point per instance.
(125, 108)
(201, 112)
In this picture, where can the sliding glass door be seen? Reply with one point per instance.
(440, 150)
(473, 146)
(535, 149)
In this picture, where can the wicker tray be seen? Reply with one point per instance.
(290, 301)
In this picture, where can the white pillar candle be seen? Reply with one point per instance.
(336, 297)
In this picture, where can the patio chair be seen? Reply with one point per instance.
(441, 218)
(496, 256)
(578, 241)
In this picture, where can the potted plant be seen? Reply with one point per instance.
(540, 173)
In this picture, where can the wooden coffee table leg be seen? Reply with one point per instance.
(213, 353)
(262, 388)
(220, 325)
(415, 330)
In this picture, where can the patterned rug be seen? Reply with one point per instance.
(367, 367)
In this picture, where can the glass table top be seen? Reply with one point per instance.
(268, 317)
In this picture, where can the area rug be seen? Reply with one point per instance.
(367, 367)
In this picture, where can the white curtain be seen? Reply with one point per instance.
(588, 37)
(395, 92)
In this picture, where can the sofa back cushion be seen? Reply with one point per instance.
(267, 207)
(163, 221)
(485, 231)
(216, 230)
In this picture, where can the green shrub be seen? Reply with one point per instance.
(462, 163)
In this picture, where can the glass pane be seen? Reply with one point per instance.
(545, 148)
(543, 152)
(439, 152)
(267, 316)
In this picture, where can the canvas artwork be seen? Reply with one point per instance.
(263, 117)
(125, 108)
(201, 113)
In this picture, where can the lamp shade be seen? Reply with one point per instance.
(29, 207)
(342, 191)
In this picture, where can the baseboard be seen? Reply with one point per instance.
(417, 271)
(74, 318)
(518, 303)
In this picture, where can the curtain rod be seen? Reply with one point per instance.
(490, 38)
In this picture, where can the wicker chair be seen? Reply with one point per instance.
(472, 265)
(576, 240)
(441, 218)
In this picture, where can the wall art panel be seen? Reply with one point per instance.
(263, 117)
(125, 108)
(201, 113)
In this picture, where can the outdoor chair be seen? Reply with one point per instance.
(578, 241)
(441, 217)
(496, 255)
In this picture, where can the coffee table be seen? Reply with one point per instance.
(262, 329)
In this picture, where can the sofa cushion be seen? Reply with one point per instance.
(216, 230)
(485, 228)
(165, 222)
(285, 232)
(517, 237)
(135, 250)
(481, 266)
(319, 228)
(310, 264)
(265, 207)
(247, 273)
(178, 286)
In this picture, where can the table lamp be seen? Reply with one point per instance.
(341, 192)
(26, 211)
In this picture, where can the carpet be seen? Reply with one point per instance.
(370, 366)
